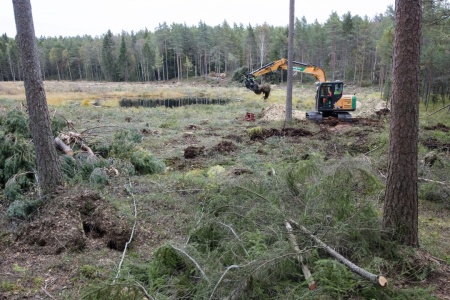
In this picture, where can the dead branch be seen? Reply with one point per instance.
(131, 235)
(75, 136)
(438, 110)
(63, 147)
(220, 279)
(308, 277)
(244, 284)
(235, 234)
(433, 181)
(376, 279)
(144, 290)
(193, 260)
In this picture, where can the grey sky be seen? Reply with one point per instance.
(95, 17)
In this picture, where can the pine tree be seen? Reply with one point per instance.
(108, 60)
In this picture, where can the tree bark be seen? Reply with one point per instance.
(290, 62)
(48, 173)
(400, 215)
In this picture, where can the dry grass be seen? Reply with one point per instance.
(61, 93)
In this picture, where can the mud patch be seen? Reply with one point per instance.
(291, 132)
(225, 147)
(193, 151)
(434, 144)
(73, 223)
(438, 126)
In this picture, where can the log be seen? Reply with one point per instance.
(376, 279)
(308, 277)
(63, 147)
(87, 149)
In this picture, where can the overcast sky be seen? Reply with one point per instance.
(96, 17)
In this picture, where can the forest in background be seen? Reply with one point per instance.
(350, 48)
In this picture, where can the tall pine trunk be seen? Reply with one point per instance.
(400, 216)
(48, 172)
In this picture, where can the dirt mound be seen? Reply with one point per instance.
(225, 147)
(192, 151)
(277, 112)
(73, 223)
(371, 107)
(292, 132)
(438, 126)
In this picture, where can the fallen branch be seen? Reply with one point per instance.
(308, 277)
(131, 235)
(235, 234)
(376, 279)
(144, 290)
(63, 140)
(438, 110)
(193, 260)
(220, 279)
(433, 181)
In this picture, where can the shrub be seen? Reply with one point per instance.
(146, 163)
(124, 143)
(22, 208)
(99, 177)
(13, 189)
(57, 125)
(16, 156)
(255, 132)
(16, 121)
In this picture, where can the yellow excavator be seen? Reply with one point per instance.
(330, 100)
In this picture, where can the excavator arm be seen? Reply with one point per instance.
(281, 64)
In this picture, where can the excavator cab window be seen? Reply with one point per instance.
(326, 95)
(329, 94)
(338, 88)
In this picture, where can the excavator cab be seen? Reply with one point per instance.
(331, 102)
(328, 93)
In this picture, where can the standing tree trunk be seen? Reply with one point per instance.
(400, 216)
(48, 173)
(290, 62)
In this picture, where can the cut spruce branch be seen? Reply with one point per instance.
(193, 260)
(308, 277)
(376, 279)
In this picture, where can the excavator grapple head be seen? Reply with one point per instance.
(252, 85)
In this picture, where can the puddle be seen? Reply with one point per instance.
(174, 102)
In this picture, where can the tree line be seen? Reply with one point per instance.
(354, 49)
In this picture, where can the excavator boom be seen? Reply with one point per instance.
(316, 71)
